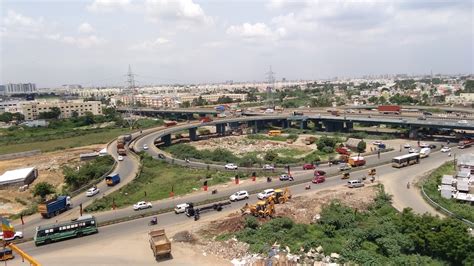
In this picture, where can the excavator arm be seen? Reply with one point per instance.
(25, 256)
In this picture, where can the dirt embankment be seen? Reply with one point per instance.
(49, 167)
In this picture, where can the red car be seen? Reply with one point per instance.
(308, 166)
(319, 179)
(319, 172)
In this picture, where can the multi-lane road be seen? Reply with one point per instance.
(115, 237)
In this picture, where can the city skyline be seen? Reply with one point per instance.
(92, 42)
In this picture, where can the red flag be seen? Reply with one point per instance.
(21, 218)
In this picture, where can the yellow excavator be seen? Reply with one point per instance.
(280, 196)
(261, 209)
(7, 254)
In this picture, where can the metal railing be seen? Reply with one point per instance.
(444, 210)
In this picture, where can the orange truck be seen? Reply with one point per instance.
(356, 161)
(159, 243)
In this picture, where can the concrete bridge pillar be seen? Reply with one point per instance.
(304, 124)
(192, 134)
(413, 134)
(220, 129)
(284, 123)
(166, 139)
(349, 126)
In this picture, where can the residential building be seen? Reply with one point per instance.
(20, 88)
(32, 109)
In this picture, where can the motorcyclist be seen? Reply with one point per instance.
(449, 154)
(154, 220)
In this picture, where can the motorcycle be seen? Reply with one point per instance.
(153, 221)
(307, 187)
(214, 191)
(269, 179)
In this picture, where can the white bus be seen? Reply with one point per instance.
(406, 160)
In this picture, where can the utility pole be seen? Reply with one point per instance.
(270, 88)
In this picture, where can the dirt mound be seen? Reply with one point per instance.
(230, 224)
(185, 237)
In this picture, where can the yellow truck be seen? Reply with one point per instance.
(159, 243)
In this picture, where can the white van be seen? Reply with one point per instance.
(425, 152)
(180, 208)
(355, 183)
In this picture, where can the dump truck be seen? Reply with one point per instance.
(159, 243)
(389, 109)
(121, 151)
(112, 180)
(465, 143)
(55, 206)
(343, 150)
(309, 140)
(356, 161)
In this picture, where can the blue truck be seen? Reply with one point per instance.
(112, 180)
(220, 108)
(55, 206)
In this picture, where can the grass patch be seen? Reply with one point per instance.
(266, 137)
(157, 179)
(430, 185)
(96, 136)
(288, 152)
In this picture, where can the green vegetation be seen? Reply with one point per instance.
(361, 146)
(266, 137)
(43, 189)
(379, 236)
(430, 185)
(157, 179)
(88, 172)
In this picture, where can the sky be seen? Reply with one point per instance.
(92, 43)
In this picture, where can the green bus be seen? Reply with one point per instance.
(84, 225)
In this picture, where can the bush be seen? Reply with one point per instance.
(92, 170)
(43, 189)
(328, 150)
(270, 156)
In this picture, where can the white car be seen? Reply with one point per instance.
(230, 166)
(142, 205)
(145, 147)
(462, 122)
(240, 195)
(412, 150)
(120, 158)
(268, 167)
(424, 145)
(407, 146)
(377, 142)
(17, 235)
(445, 149)
(266, 193)
(92, 191)
(180, 208)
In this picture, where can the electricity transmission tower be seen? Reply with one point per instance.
(131, 91)
(270, 88)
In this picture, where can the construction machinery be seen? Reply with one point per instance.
(280, 196)
(262, 209)
(20, 252)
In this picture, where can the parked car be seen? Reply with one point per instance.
(92, 191)
(180, 208)
(407, 146)
(265, 194)
(230, 166)
(319, 179)
(17, 235)
(412, 150)
(145, 147)
(445, 149)
(319, 172)
(268, 167)
(284, 177)
(308, 166)
(240, 195)
(120, 158)
(142, 205)
(345, 167)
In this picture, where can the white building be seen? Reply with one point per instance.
(32, 109)
(20, 88)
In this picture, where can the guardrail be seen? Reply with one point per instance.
(444, 210)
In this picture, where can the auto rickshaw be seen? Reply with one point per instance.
(6, 254)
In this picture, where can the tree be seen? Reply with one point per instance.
(382, 100)
(185, 104)
(74, 114)
(373, 100)
(6, 117)
(361, 146)
(55, 112)
(270, 156)
(43, 189)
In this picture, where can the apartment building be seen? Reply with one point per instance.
(19, 88)
(32, 109)
(214, 97)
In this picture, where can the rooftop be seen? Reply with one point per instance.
(15, 175)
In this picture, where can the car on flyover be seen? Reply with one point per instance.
(145, 147)
(231, 166)
(120, 158)
(239, 195)
(268, 167)
(142, 205)
(445, 149)
(92, 191)
(265, 194)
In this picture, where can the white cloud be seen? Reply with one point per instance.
(85, 28)
(83, 41)
(176, 10)
(18, 25)
(255, 31)
(109, 5)
(150, 45)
